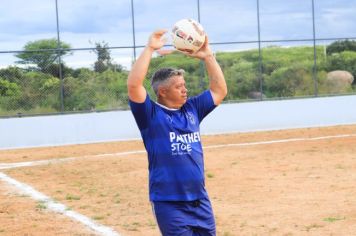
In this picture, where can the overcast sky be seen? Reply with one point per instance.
(84, 22)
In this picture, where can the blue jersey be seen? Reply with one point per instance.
(172, 141)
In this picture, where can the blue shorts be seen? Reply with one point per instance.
(185, 218)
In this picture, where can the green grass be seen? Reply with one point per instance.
(84, 207)
(116, 198)
(72, 197)
(151, 224)
(333, 219)
(98, 217)
(210, 175)
(41, 205)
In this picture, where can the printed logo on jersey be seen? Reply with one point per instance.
(181, 144)
(169, 119)
(191, 118)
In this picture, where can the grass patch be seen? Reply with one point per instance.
(333, 219)
(28, 173)
(151, 224)
(227, 234)
(116, 199)
(132, 227)
(234, 163)
(210, 175)
(41, 205)
(72, 197)
(98, 217)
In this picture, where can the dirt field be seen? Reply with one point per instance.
(300, 185)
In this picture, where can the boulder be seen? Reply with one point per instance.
(339, 81)
(256, 95)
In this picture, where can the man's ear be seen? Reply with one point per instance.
(162, 91)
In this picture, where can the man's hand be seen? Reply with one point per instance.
(135, 88)
(156, 41)
(203, 53)
(217, 82)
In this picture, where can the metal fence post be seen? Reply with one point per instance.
(260, 72)
(59, 61)
(201, 63)
(133, 29)
(315, 58)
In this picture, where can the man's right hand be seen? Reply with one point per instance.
(136, 90)
(156, 41)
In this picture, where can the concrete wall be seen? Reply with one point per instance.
(120, 125)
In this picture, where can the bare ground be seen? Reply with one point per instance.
(291, 188)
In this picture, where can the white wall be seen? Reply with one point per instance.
(120, 125)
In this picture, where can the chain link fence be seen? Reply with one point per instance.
(49, 89)
(50, 79)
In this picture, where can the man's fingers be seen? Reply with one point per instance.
(160, 32)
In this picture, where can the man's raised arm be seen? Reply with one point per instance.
(217, 83)
(135, 88)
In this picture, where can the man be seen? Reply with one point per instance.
(170, 132)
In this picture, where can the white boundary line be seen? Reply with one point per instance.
(281, 141)
(53, 161)
(58, 207)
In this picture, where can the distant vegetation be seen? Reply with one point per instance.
(286, 72)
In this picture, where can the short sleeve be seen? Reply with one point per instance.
(142, 112)
(203, 104)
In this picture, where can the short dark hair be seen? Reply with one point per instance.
(162, 75)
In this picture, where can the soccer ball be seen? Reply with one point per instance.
(188, 35)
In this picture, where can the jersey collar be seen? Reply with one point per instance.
(167, 108)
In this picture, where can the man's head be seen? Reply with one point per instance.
(169, 87)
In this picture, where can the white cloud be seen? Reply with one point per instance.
(336, 22)
(82, 21)
(19, 17)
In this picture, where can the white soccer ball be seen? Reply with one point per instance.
(188, 35)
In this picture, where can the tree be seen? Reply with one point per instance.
(295, 80)
(343, 61)
(104, 61)
(242, 79)
(8, 89)
(12, 74)
(340, 46)
(42, 53)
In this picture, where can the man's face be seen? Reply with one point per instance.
(175, 91)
